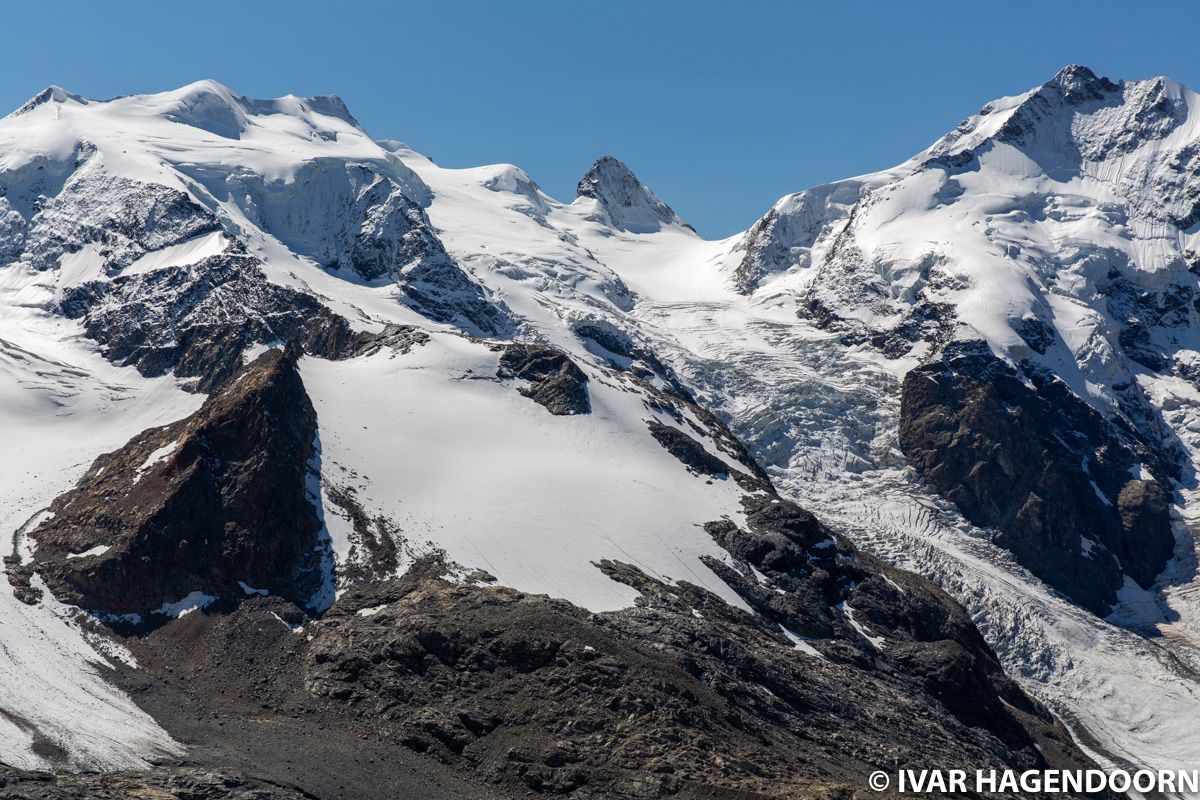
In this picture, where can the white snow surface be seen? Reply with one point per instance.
(178, 255)
(463, 463)
(192, 601)
(61, 406)
(473, 468)
(98, 550)
(202, 131)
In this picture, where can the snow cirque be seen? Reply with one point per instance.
(1059, 227)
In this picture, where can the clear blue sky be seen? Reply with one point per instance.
(721, 108)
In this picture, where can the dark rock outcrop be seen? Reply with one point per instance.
(439, 289)
(124, 218)
(1060, 484)
(619, 349)
(555, 381)
(213, 504)
(160, 784)
(690, 451)
(623, 201)
(199, 320)
(1035, 332)
(376, 542)
(684, 695)
(685, 412)
(763, 251)
(841, 666)
(423, 678)
(797, 573)
(1153, 323)
(229, 685)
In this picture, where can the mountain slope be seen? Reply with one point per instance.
(755, 651)
(587, 400)
(1053, 230)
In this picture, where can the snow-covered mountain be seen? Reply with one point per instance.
(979, 365)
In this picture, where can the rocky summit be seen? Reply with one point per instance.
(214, 505)
(335, 473)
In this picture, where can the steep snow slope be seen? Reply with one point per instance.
(475, 469)
(61, 404)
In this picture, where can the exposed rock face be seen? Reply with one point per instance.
(685, 695)
(842, 667)
(212, 504)
(1057, 481)
(439, 289)
(231, 686)
(1144, 509)
(126, 218)
(376, 542)
(677, 402)
(1155, 323)
(618, 348)
(624, 202)
(845, 666)
(763, 249)
(689, 451)
(367, 226)
(555, 381)
(785, 236)
(1141, 111)
(161, 784)
(345, 216)
(199, 320)
(636, 358)
(798, 574)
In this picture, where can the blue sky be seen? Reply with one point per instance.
(720, 107)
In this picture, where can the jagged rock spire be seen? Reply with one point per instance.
(623, 201)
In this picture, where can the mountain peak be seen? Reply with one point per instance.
(624, 201)
(207, 86)
(605, 168)
(249, 445)
(207, 105)
(331, 105)
(1079, 84)
(51, 94)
